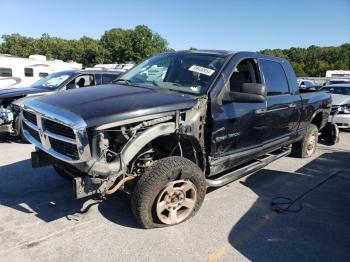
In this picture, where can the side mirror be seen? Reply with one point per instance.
(71, 86)
(250, 93)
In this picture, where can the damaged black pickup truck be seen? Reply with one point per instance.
(174, 125)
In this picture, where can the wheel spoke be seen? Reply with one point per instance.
(189, 203)
(172, 205)
(161, 206)
(173, 216)
(170, 190)
(185, 187)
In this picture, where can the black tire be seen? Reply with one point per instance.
(330, 133)
(62, 173)
(305, 147)
(151, 184)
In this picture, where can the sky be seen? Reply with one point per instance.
(249, 25)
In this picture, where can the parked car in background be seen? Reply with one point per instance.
(334, 81)
(12, 98)
(19, 72)
(340, 113)
(304, 83)
(174, 125)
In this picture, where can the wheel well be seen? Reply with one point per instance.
(317, 120)
(190, 148)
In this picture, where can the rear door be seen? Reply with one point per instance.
(280, 117)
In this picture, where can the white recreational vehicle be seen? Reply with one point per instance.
(338, 74)
(22, 72)
(121, 68)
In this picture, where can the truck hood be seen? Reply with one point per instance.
(340, 99)
(20, 91)
(106, 104)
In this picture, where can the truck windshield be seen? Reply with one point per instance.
(189, 73)
(53, 81)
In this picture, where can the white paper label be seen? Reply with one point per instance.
(202, 70)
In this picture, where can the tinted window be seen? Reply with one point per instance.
(275, 78)
(43, 74)
(245, 72)
(5, 72)
(84, 80)
(28, 72)
(98, 80)
(106, 79)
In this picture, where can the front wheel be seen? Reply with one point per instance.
(170, 192)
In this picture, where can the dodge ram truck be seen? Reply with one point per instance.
(175, 125)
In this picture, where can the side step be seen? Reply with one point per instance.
(246, 170)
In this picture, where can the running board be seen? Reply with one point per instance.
(246, 170)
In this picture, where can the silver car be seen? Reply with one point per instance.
(340, 113)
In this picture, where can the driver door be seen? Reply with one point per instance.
(238, 127)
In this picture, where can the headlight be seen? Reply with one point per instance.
(345, 109)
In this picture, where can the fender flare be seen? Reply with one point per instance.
(318, 111)
(134, 145)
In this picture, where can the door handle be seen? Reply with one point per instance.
(260, 111)
(292, 105)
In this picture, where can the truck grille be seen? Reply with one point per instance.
(32, 132)
(59, 129)
(53, 137)
(30, 117)
(64, 148)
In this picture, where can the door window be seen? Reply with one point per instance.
(98, 80)
(108, 78)
(6, 72)
(275, 78)
(84, 80)
(245, 72)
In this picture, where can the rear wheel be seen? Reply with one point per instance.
(307, 146)
(170, 192)
(330, 133)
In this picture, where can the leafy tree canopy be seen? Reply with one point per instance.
(115, 45)
(121, 45)
(315, 60)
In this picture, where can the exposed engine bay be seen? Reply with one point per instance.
(122, 153)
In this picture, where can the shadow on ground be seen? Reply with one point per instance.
(43, 192)
(319, 232)
(7, 137)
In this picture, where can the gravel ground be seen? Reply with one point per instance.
(40, 220)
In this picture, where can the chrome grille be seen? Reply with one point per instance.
(59, 129)
(64, 148)
(32, 132)
(58, 133)
(30, 117)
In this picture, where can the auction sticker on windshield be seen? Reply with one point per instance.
(202, 70)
